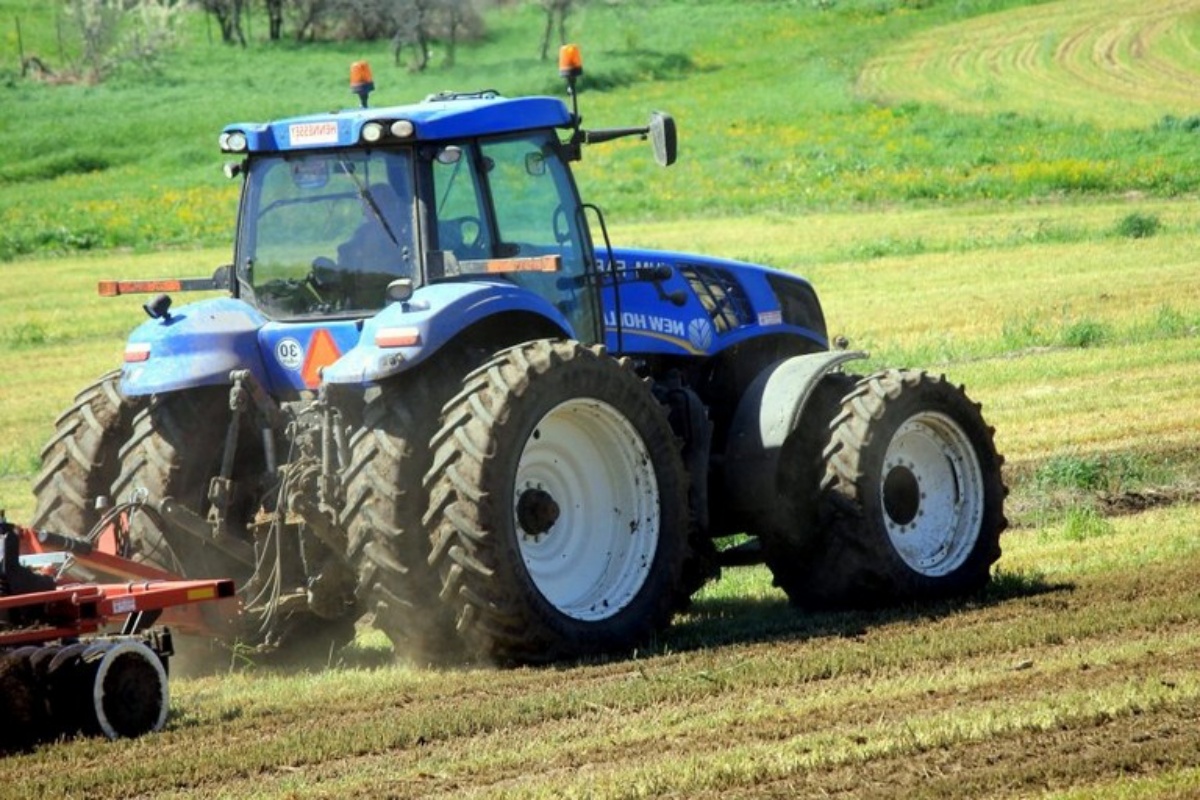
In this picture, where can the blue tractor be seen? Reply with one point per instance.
(436, 396)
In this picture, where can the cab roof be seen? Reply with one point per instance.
(443, 116)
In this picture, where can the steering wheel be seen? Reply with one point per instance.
(302, 294)
(464, 236)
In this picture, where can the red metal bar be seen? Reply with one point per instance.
(79, 609)
(95, 559)
(115, 288)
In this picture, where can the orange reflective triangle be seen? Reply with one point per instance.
(322, 351)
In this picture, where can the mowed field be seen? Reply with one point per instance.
(1074, 676)
(1075, 322)
(1116, 62)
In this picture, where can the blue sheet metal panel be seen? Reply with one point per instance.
(651, 324)
(198, 345)
(444, 119)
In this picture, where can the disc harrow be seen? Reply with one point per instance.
(83, 656)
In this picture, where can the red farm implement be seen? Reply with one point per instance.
(83, 642)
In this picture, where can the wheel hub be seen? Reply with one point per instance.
(585, 509)
(932, 494)
(901, 495)
(536, 511)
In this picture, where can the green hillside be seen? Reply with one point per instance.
(773, 114)
(1115, 63)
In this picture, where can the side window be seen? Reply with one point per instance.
(461, 226)
(531, 193)
(528, 232)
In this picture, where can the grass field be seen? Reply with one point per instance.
(1119, 63)
(955, 208)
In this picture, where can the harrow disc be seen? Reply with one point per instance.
(129, 690)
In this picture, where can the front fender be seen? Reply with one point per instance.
(435, 315)
(196, 345)
(769, 410)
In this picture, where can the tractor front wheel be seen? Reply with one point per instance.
(912, 497)
(558, 506)
(793, 537)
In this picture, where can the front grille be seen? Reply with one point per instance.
(720, 294)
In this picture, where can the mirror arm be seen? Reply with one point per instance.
(609, 134)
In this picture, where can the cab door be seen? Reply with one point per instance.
(508, 206)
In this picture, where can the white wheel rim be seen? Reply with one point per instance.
(592, 465)
(932, 494)
(100, 686)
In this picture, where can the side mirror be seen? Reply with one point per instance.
(662, 138)
(222, 277)
(400, 290)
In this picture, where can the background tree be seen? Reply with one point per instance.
(416, 24)
(309, 16)
(412, 30)
(228, 14)
(274, 19)
(420, 23)
(555, 10)
(114, 33)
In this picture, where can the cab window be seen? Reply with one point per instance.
(326, 232)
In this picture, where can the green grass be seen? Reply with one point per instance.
(1111, 62)
(1075, 670)
(133, 163)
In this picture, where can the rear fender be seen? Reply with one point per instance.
(770, 409)
(404, 334)
(195, 345)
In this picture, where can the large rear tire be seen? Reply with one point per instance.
(81, 461)
(390, 455)
(912, 496)
(174, 451)
(558, 513)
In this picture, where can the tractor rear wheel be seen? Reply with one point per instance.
(389, 456)
(912, 497)
(174, 451)
(81, 461)
(558, 514)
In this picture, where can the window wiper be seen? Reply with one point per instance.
(365, 195)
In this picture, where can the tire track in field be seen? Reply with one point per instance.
(1118, 63)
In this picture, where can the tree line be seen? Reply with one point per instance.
(410, 25)
(115, 33)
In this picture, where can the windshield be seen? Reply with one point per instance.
(325, 233)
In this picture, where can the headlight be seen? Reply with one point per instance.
(372, 132)
(232, 141)
(379, 130)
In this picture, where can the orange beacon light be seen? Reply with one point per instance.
(360, 81)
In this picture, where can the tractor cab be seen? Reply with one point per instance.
(343, 213)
